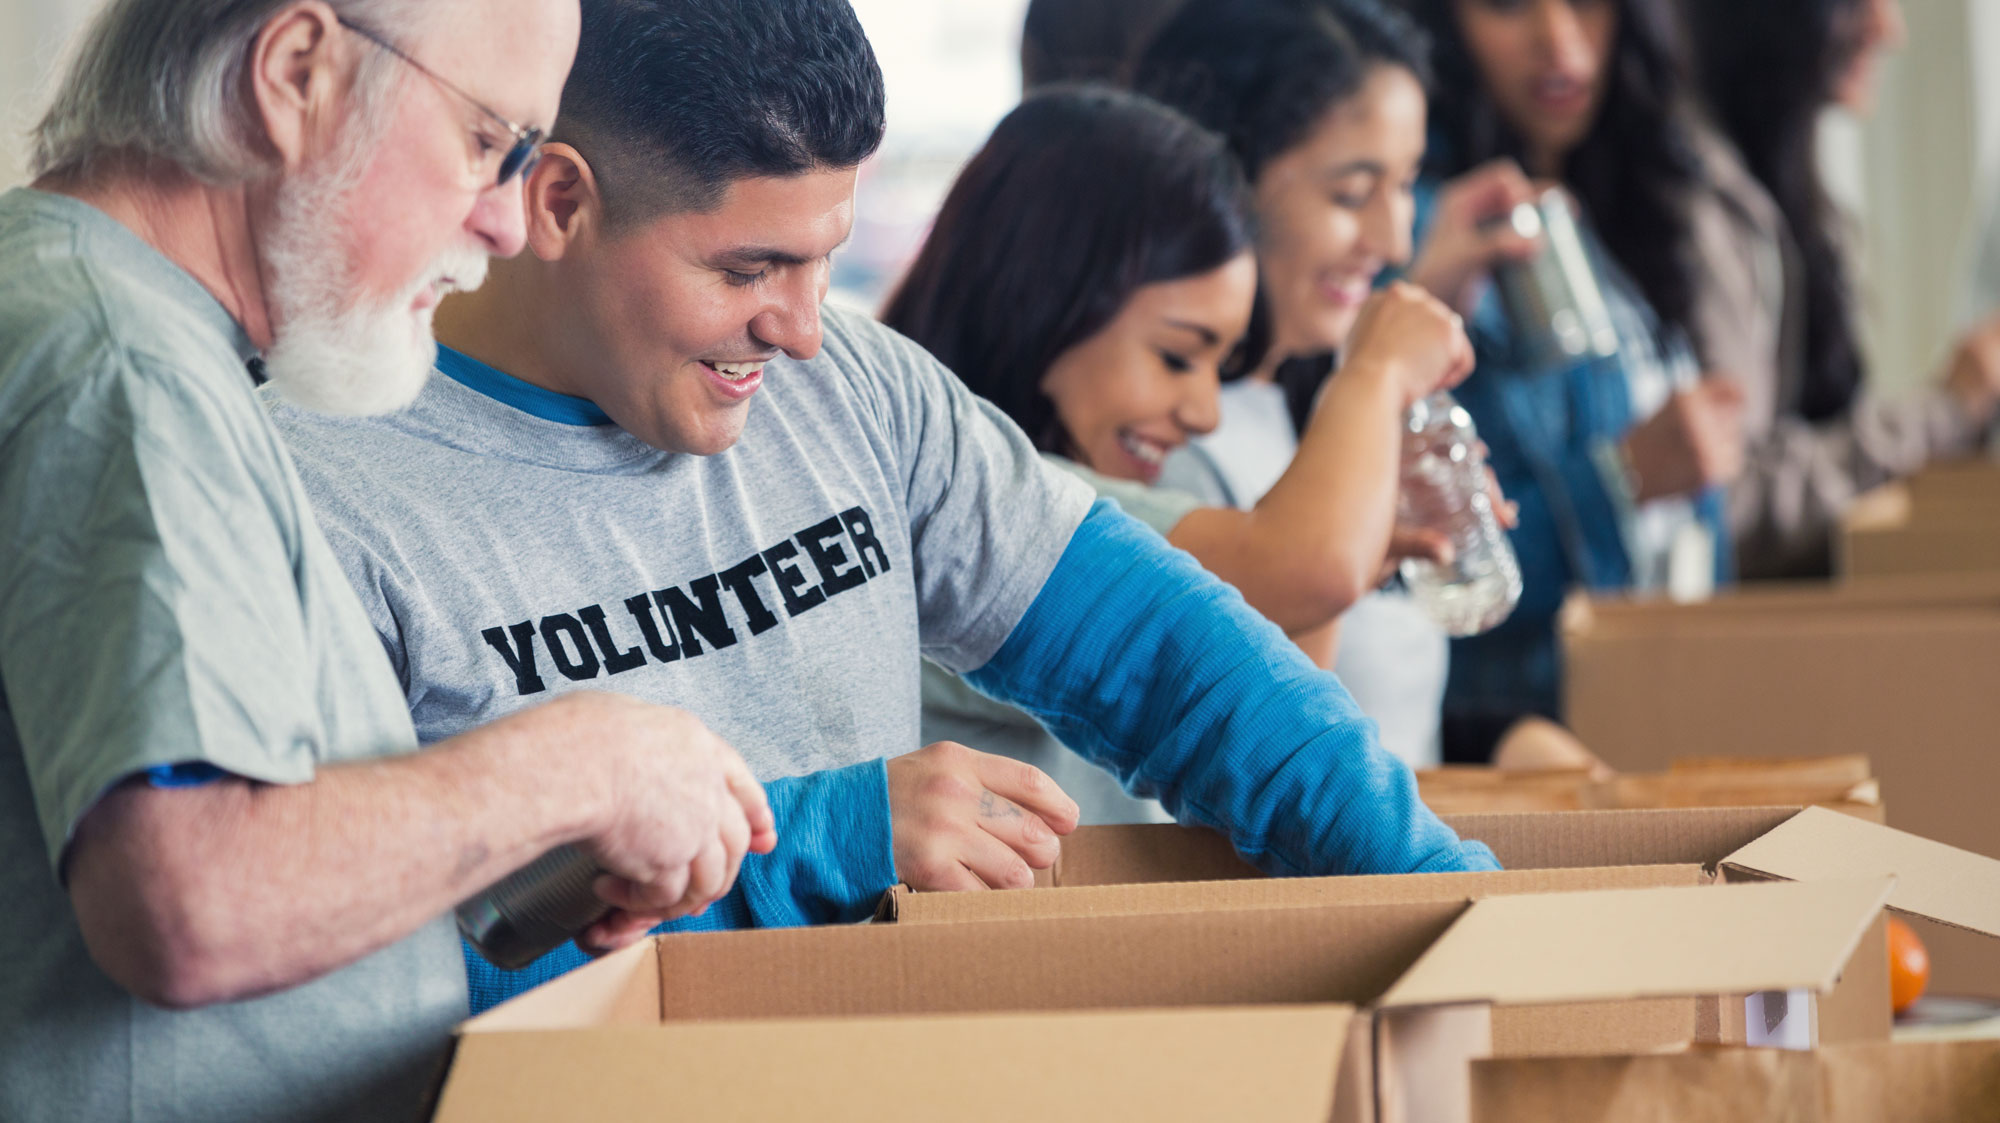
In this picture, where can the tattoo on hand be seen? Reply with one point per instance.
(993, 807)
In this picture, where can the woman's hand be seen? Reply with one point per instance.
(1469, 233)
(1974, 377)
(1410, 336)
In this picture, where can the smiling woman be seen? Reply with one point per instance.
(1091, 274)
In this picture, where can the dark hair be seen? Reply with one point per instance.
(1263, 73)
(1767, 70)
(1081, 196)
(1636, 170)
(673, 100)
(1086, 40)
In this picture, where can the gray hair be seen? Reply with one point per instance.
(165, 79)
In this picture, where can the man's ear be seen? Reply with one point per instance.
(301, 73)
(564, 208)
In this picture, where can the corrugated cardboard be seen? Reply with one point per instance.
(1645, 943)
(1538, 1030)
(1844, 783)
(1195, 1066)
(1907, 1082)
(1886, 669)
(1417, 1052)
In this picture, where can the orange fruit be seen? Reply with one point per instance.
(1909, 965)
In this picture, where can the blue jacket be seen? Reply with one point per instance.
(1139, 659)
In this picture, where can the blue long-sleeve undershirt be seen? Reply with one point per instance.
(1139, 659)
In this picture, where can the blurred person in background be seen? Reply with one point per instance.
(1614, 462)
(228, 874)
(1323, 103)
(1111, 359)
(1066, 41)
(1775, 243)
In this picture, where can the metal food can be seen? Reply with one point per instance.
(534, 910)
(1554, 300)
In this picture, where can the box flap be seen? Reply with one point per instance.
(1330, 953)
(1275, 1063)
(622, 988)
(1944, 883)
(1646, 943)
(1676, 836)
(908, 907)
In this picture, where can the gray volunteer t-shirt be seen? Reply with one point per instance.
(509, 549)
(166, 598)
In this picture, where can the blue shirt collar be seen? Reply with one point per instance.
(524, 396)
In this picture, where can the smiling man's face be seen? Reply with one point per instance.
(678, 317)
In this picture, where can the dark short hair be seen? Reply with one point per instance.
(1263, 72)
(1081, 196)
(671, 101)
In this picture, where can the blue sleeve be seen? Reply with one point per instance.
(835, 857)
(1144, 662)
(833, 862)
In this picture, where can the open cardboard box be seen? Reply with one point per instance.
(620, 1036)
(1536, 1030)
(1909, 1082)
(1898, 670)
(1131, 868)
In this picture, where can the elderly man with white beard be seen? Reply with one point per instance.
(226, 871)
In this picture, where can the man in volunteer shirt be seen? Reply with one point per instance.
(655, 463)
(225, 875)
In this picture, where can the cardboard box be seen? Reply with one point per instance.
(1947, 891)
(1843, 783)
(1909, 1082)
(1538, 1030)
(615, 1037)
(1183, 1066)
(1943, 520)
(1901, 671)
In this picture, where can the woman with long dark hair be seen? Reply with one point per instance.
(1616, 461)
(1092, 275)
(1323, 103)
(1774, 241)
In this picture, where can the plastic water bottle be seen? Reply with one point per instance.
(1444, 489)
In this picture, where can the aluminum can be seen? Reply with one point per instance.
(1554, 300)
(534, 910)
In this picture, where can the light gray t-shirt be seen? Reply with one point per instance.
(511, 543)
(166, 598)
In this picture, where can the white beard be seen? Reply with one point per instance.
(330, 353)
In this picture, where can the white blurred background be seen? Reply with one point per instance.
(1919, 177)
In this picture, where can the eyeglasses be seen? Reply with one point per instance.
(527, 149)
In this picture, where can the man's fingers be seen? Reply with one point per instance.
(1020, 830)
(756, 807)
(996, 863)
(1030, 788)
(619, 929)
(708, 879)
(654, 899)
